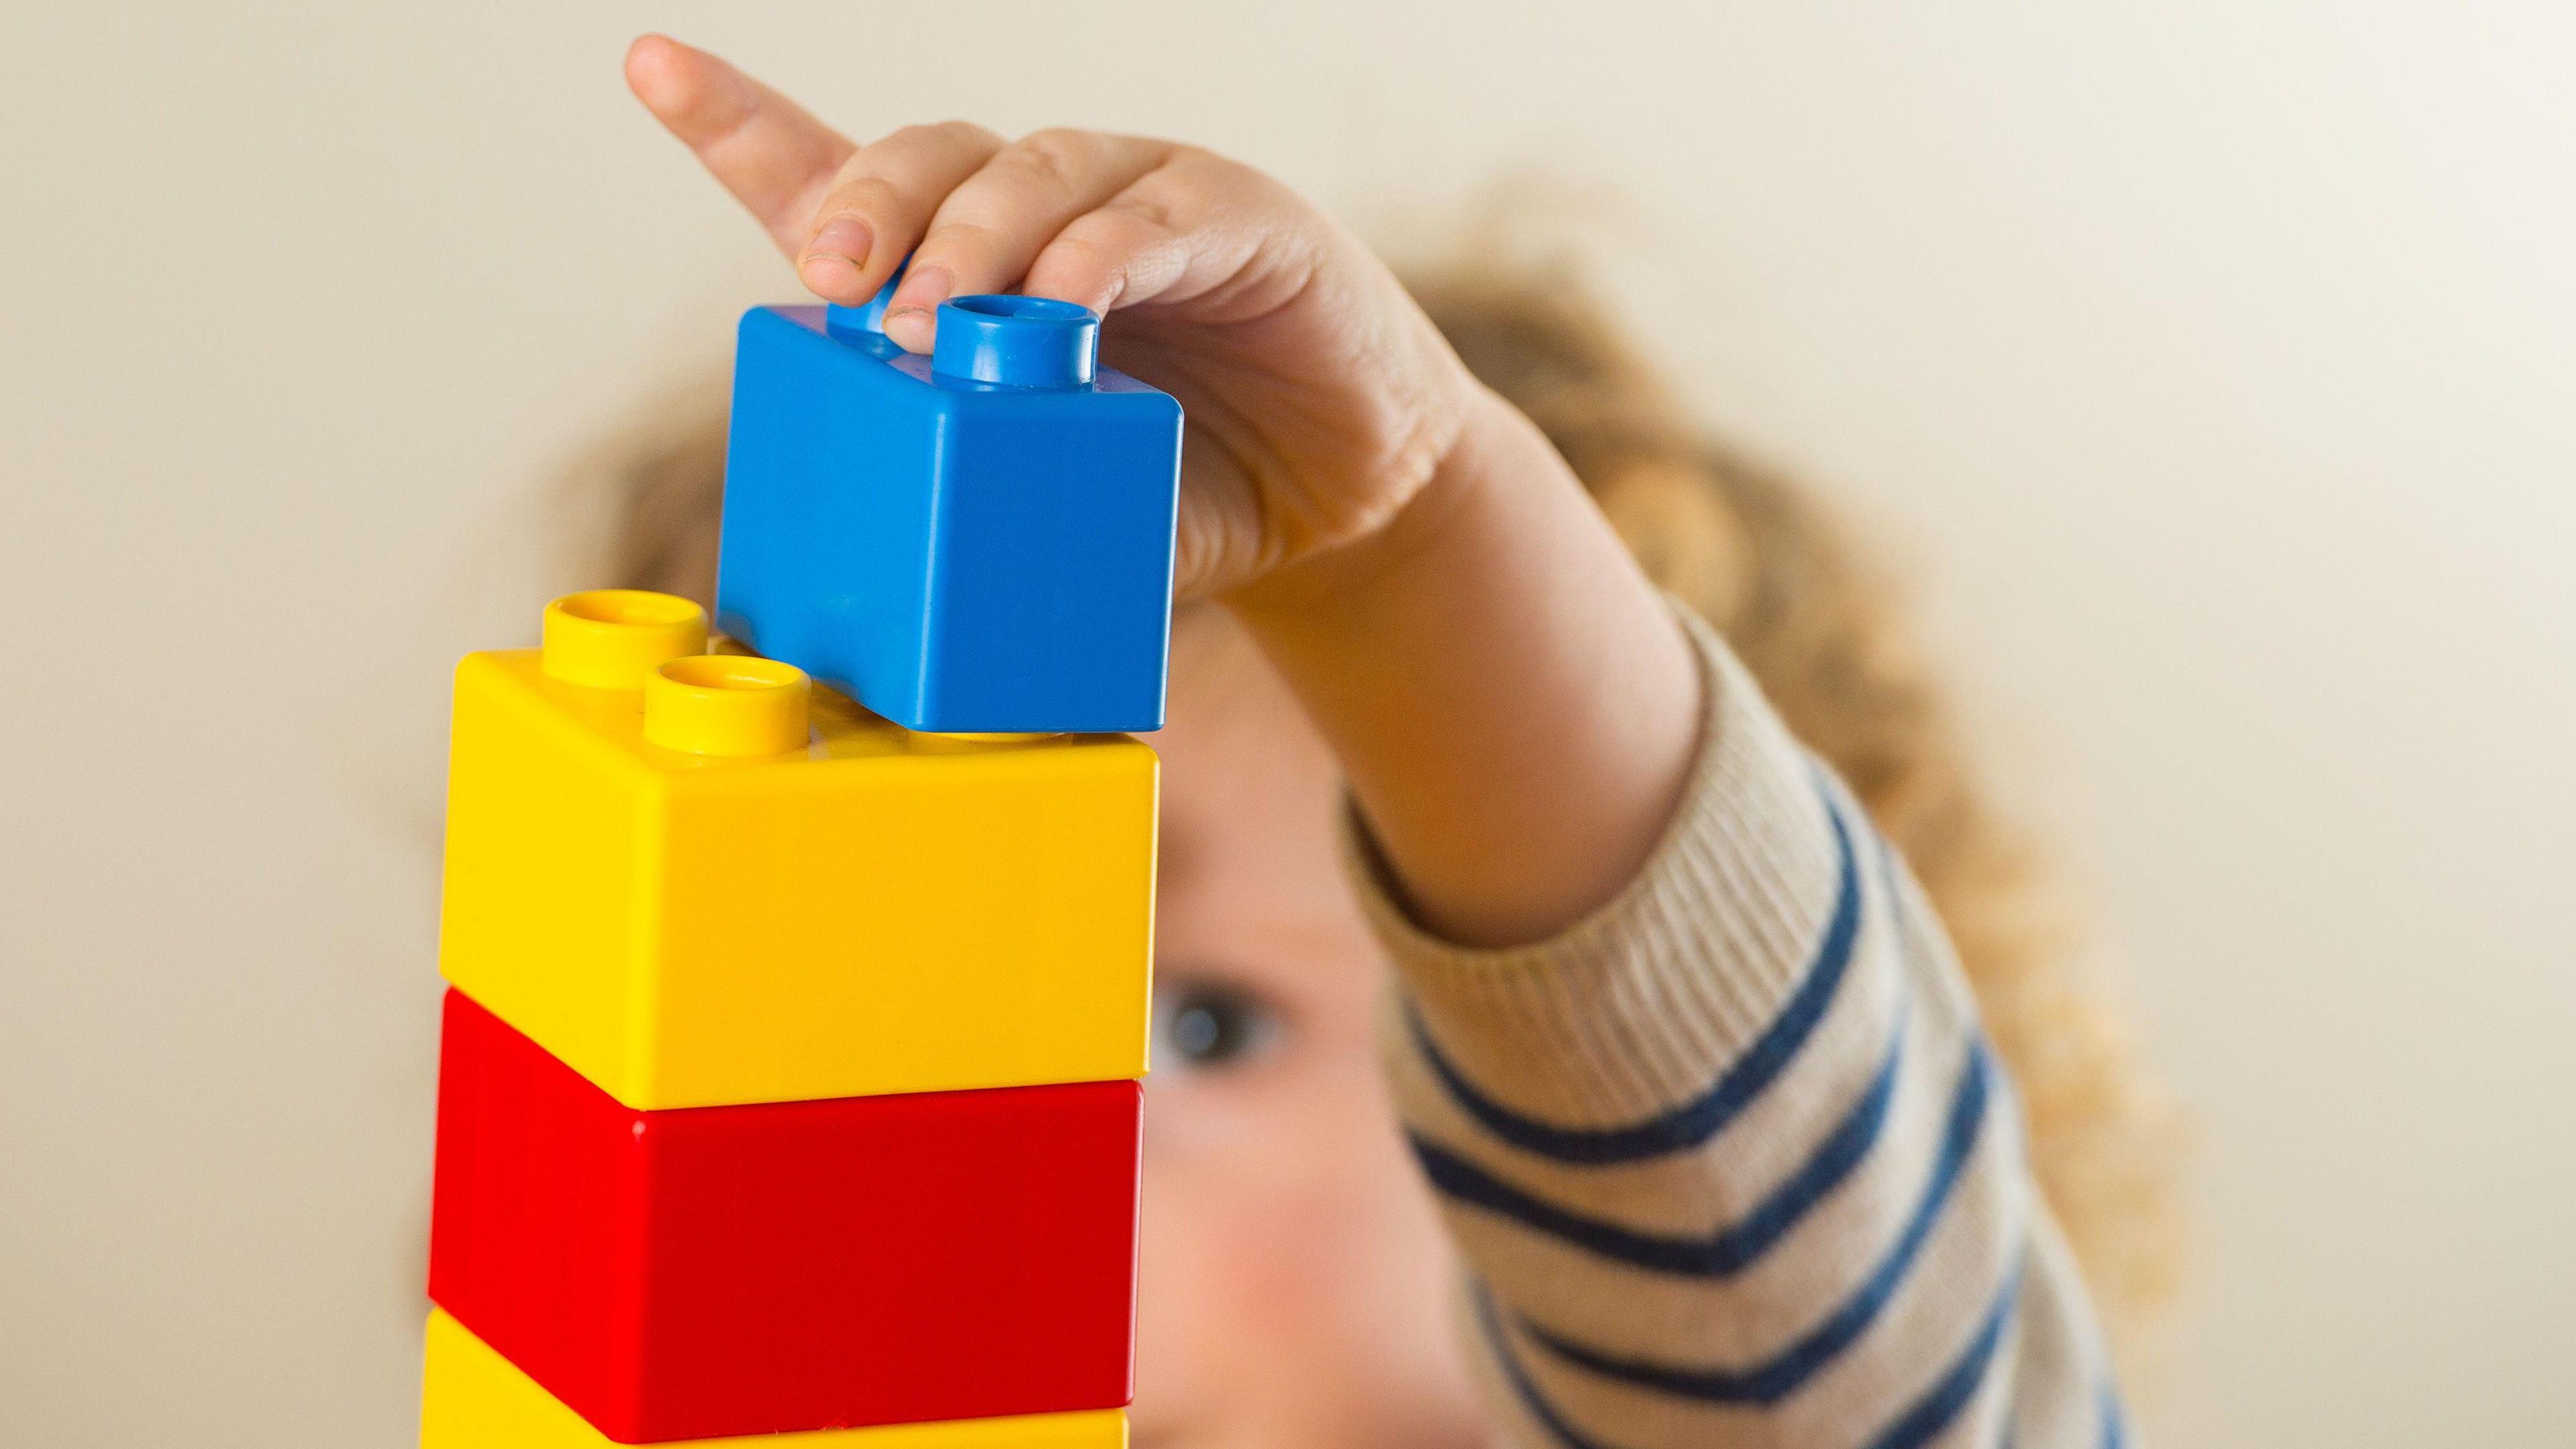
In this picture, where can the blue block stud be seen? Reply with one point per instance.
(975, 541)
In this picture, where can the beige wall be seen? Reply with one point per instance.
(2212, 363)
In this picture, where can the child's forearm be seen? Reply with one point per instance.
(1511, 700)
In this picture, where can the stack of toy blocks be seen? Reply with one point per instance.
(800, 988)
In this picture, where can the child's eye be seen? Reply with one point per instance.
(1207, 1027)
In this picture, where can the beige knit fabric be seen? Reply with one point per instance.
(1728, 1161)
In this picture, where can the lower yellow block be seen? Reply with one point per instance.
(472, 1398)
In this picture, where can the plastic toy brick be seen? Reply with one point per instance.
(978, 540)
(472, 1398)
(698, 880)
(717, 1271)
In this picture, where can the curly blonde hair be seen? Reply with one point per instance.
(1822, 628)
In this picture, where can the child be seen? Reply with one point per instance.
(1719, 1150)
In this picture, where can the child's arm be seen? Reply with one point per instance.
(1508, 696)
(1731, 1158)
(1722, 1141)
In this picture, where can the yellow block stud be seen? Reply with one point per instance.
(615, 638)
(717, 883)
(727, 704)
(472, 1398)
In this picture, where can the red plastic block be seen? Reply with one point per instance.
(709, 1271)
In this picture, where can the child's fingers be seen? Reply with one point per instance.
(988, 231)
(1102, 258)
(880, 204)
(1172, 234)
(763, 147)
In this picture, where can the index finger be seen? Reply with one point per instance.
(775, 158)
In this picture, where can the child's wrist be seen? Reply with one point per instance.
(1512, 704)
(1496, 451)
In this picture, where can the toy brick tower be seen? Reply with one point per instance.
(789, 1075)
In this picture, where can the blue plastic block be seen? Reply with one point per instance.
(978, 540)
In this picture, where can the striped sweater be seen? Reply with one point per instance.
(1730, 1162)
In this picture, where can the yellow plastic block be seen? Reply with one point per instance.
(472, 1398)
(700, 880)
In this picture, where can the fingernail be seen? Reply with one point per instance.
(923, 287)
(913, 303)
(843, 236)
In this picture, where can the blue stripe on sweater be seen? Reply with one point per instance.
(2115, 1426)
(1909, 942)
(1727, 1250)
(1702, 1117)
(1523, 1387)
(1775, 1378)
(1922, 1421)
(1940, 1405)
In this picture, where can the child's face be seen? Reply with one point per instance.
(1295, 1283)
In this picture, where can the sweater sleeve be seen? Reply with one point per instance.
(1729, 1161)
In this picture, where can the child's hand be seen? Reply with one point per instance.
(1509, 699)
(1319, 398)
